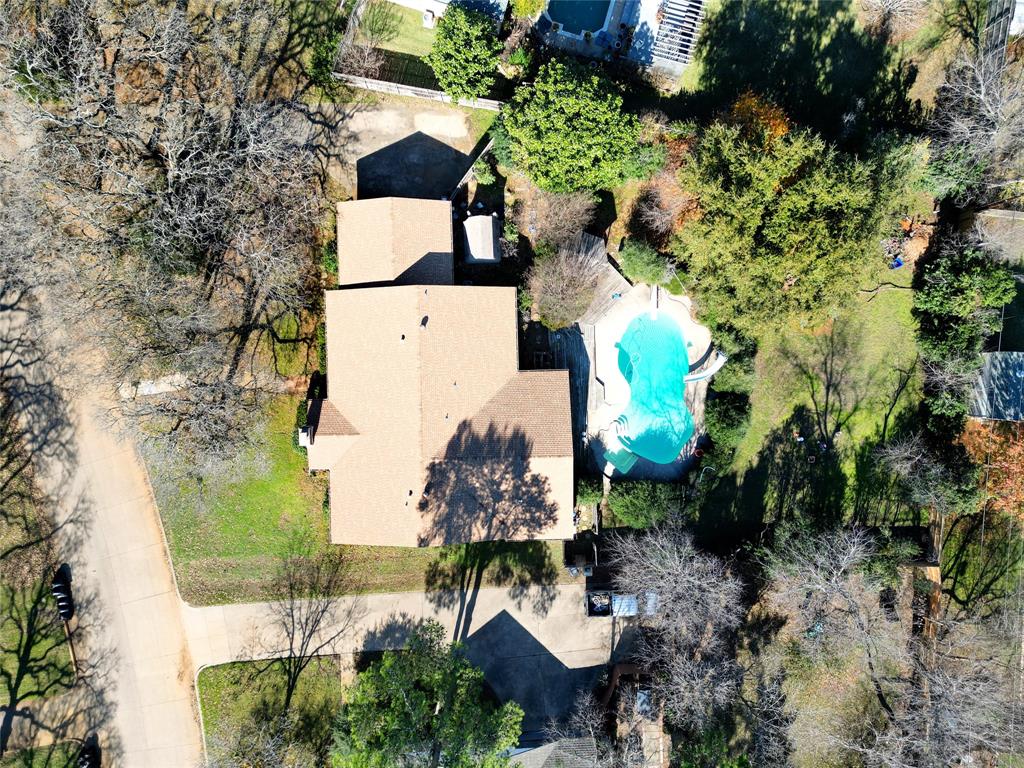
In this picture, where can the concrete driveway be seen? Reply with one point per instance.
(405, 150)
(537, 657)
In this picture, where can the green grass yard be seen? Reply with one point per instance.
(410, 36)
(230, 693)
(863, 366)
(51, 756)
(227, 535)
(237, 694)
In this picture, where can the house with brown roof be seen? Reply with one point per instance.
(430, 432)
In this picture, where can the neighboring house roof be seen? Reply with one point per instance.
(430, 431)
(481, 233)
(564, 753)
(999, 390)
(394, 240)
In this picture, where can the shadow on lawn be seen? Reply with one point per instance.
(792, 481)
(812, 60)
(981, 558)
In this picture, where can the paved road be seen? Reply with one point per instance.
(124, 560)
(135, 673)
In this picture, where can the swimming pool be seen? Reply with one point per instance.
(655, 424)
(575, 16)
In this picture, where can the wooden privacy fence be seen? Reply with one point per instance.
(384, 86)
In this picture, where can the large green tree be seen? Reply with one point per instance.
(464, 55)
(788, 228)
(425, 706)
(568, 132)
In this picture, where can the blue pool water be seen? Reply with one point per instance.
(578, 15)
(653, 359)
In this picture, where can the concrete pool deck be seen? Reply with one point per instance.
(609, 390)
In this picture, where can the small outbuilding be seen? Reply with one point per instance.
(481, 237)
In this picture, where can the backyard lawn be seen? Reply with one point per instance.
(228, 534)
(410, 36)
(845, 382)
(865, 348)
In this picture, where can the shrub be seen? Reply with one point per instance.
(521, 59)
(726, 418)
(301, 416)
(641, 263)
(329, 257)
(324, 54)
(321, 347)
(527, 9)
(482, 171)
(589, 491)
(640, 503)
(464, 55)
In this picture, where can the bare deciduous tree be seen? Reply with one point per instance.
(359, 51)
(770, 724)
(587, 722)
(309, 616)
(563, 283)
(899, 16)
(554, 218)
(978, 129)
(690, 607)
(920, 473)
(658, 208)
(259, 745)
(183, 191)
(940, 697)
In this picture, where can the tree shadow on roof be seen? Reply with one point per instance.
(416, 166)
(483, 490)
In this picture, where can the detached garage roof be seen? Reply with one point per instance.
(999, 390)
(395, 240)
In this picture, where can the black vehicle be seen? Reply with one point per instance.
(61, 591)
(89, 755)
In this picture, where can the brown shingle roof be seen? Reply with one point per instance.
(328, 420)
(454, 442)
(394, 240)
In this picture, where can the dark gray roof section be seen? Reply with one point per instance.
(564, 753)
(999, 391)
